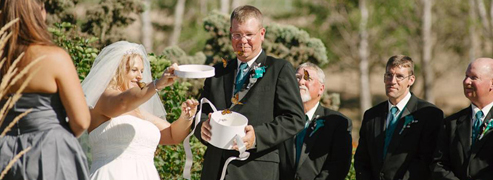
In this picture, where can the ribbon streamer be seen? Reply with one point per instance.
(188, 151)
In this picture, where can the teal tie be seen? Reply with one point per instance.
(477, 126)
(240, 77)
(299, 141)
(390, 129)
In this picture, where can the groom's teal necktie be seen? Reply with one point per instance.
(476, 128)
(390, 129)
(240, 77)
(299, 141)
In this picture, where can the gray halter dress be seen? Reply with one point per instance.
(55, 153)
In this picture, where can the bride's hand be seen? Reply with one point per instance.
(188, 109)
(168, 77)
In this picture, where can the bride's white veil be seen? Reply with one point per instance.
(104, 68)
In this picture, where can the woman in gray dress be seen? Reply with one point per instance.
(53, 94)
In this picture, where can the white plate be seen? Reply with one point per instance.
(194, 71)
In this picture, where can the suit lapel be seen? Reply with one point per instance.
(410, 107)
(229, 80)
(464, 131)
(478, 144)
(309, 142)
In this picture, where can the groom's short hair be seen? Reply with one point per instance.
(243, 13)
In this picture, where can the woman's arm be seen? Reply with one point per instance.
(113, 103)
(177, 131)
(70, 90)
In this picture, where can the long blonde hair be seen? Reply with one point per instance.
(119, 80)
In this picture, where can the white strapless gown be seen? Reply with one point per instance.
(123, 148)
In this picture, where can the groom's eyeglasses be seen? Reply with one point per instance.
(248, 37)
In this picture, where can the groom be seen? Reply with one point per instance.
(262, 88)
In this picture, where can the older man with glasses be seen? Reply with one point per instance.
(323, 149)
(398, 136)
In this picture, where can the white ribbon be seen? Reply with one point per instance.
(243, 155)
(188, 151)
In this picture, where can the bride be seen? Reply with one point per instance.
(127, 116)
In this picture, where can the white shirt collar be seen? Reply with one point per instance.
(249, 62)
(485, 110)
(402, 104)
(311, 112)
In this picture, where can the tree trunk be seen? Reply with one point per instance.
(491, 24)
(483, 15)
(146, 33)
(474, 46)
(365, 95)
(225, 6)
(236, 3)
(203, 7)
(179, 11)
(486, 26)
(427, 50)
(491, 15)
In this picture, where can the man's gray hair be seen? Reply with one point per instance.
(320, 72)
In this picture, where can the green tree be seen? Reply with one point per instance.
(109, 18)
(283, 41)
(80, 48)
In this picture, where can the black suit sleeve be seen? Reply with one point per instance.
(427, 143)
(288, 112)
(362, 163)
(441, 161)
(336, 166)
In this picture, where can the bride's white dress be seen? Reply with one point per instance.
(123, 148)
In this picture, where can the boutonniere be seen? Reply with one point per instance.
(488, 127)
(318, 124)
(257, 72)
(408, 121)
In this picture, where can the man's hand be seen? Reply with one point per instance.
(205, 130)
(249, 138)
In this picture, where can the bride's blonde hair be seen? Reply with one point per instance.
(119, 80)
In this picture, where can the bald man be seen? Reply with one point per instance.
(465, 145)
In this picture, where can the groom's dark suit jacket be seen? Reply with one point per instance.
(326, 154)
(410, 151)
(455, 158)
(273, 107)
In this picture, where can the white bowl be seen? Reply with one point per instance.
(225, 127)
(194, 71)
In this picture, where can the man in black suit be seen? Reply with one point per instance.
(398, 136)
(323, 149)
(465, 144)
(260, 87)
